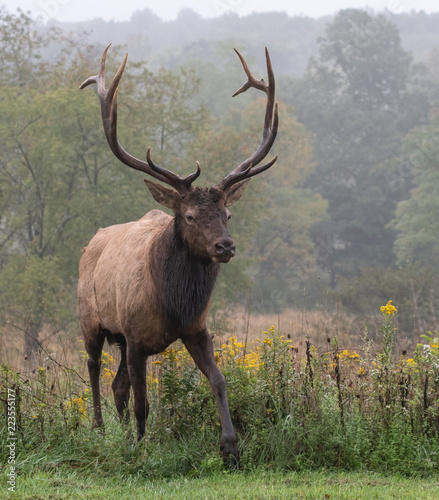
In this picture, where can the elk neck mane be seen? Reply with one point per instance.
(183, 282)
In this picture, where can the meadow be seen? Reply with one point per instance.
(306, 415)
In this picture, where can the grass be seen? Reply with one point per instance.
(259, 485)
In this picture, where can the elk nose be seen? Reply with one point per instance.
(225, 248)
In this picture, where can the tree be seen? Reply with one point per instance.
(20, 49)
(48, 141)
(158, 107)
(359, 98)
(417, 219)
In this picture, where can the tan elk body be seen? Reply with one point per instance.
(147, 283)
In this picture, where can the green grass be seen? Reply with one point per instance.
(257, 485)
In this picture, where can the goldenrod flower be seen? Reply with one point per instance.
(108, 375)
(79, 405)
(107, 358)
(151, 379)
(349, 354)
(388, 309)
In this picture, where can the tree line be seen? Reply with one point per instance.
(350, 208)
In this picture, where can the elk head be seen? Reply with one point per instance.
(201, 215)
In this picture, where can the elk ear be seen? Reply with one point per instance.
(235, 192)
(163, 195)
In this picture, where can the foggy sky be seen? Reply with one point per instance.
(81, 10)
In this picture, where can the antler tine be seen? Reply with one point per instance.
(187, 181)
(250, 171)
(271, 121)
(108, 100)
(252, 81)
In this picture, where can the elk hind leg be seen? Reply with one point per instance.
(121, 383)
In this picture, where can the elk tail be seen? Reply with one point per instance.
(116, 338)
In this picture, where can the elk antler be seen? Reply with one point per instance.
(108, 99)
(247, 168)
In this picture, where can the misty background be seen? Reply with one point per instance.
(82, 10)
(346, 220)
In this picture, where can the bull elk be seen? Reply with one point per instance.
(145, 284)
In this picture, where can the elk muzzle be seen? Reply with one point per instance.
(222, 250)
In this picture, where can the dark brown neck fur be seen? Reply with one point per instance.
(184, 282)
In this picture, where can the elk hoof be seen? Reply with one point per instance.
(98, 426)
(230, 453)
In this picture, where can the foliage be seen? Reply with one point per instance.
(344, 409)
(413, 287)
(415, 219)
(359, 98)
(292, 39)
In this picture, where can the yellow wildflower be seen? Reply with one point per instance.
(107, 358)
(152, 379)
(79, 405)
(389, 309)
(251, 361)
(349, 353)
(108, 375)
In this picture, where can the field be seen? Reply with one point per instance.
(316, 417)
(261, 485)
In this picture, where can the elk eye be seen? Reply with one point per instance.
(189, 218)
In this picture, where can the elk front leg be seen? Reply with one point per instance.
(136, 362)
(200, 347)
